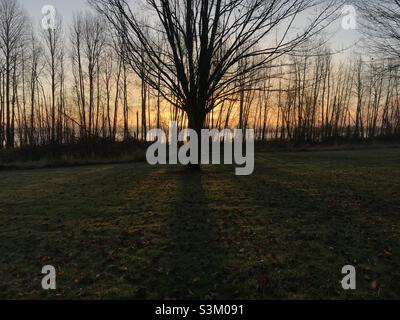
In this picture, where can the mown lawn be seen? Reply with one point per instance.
(134, 231)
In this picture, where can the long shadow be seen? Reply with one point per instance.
(195, 259)
(316, 226)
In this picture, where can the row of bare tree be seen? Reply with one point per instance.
(317, 100)
(203, 63)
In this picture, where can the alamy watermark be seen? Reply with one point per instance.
(49, 13)
(49, 280)
(349, 282)
(349, 20)
(188, 153)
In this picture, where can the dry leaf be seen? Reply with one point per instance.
(374, 285)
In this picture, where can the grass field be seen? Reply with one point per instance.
(140, 232)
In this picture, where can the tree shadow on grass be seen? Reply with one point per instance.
(315, 226)
(195, 259)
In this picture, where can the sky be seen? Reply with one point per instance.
(342, 39)
(64, 7)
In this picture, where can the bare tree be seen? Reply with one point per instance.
(94, 40)
(380, 25)
(12, 28)
(88, 39)
(209, 63)
(53, 38)
(206, 41)
(34, 75)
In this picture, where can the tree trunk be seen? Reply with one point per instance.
(196, 122)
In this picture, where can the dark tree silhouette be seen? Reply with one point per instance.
(12, 27)
(380, 24)
(212, 47)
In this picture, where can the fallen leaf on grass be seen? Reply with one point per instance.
(374, 285)
(385, 254)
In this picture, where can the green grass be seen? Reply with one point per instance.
(135, 231)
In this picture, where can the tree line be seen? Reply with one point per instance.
(114, 74)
